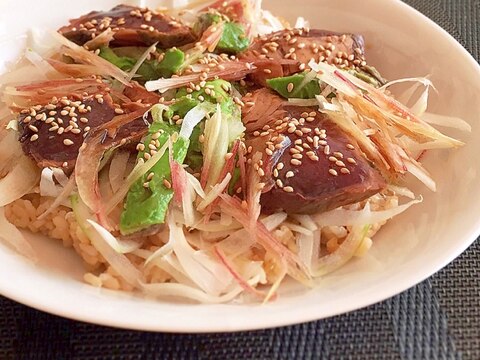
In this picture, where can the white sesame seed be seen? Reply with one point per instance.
(288, 189)
(33, 128)
(67, 142)
(344, 171)
(289, 174)
(333, 172)
(34, 137)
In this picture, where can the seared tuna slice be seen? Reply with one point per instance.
(310, 164)
(289, 51)
(131, 26)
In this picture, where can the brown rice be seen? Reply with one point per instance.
(61, 224)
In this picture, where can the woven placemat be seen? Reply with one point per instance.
(438, 319)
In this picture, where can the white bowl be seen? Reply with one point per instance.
(401, 43)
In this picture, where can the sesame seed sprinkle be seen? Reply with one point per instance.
(33, 128)
(333, 172)
(67, 142)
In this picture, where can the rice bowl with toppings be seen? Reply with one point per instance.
(258, 166)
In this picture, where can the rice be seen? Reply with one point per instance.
(62, 225)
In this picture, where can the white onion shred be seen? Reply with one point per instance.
(120, 246)
(140, 61)
(447, 121)
(344, 217)
(14, 237)
(196, 185)
(301, 23)
(193, 118)
(118, 166)
(214, 193)
(9, 148)
(213, 282)
(48, 186)
(62, 198)
(102, 240)
(189, 292)
(23, 177)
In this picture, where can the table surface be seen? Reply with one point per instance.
(438, 319)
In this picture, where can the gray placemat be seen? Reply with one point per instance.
(438, 319)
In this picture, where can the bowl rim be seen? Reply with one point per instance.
(59, 308)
